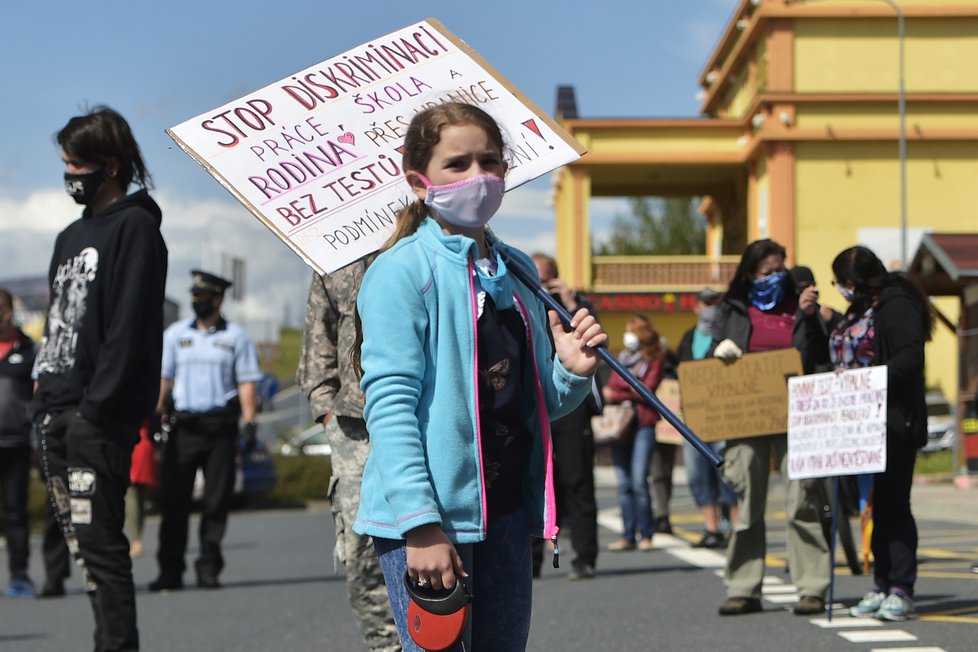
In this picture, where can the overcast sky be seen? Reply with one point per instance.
(162, 63)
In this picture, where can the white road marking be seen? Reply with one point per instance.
(881, 636)
(845, 621)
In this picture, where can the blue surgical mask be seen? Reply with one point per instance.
(765, 293)
(847, 293)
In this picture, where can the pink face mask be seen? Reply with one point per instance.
(469, 203)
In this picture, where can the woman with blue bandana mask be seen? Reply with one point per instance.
(766, 292)
(762, 311)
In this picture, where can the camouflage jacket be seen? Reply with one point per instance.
(325, 371)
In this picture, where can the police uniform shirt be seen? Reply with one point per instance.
(206, 367)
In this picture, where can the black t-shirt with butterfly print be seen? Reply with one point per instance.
(502, 351)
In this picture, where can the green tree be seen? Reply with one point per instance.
(669, 226)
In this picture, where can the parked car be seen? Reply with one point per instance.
(941, 423)
(311, 441)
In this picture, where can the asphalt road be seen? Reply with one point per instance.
(280, 593)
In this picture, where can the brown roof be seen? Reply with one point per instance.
(946, 262)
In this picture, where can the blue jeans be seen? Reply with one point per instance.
(705, 483)
(500, 578)
(632, 462)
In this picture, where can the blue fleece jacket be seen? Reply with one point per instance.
(418, 307)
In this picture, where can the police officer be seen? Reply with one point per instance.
(209, 375)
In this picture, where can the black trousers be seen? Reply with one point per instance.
(86, 468)
(15, 467)
(57, 564)
(192, 444)
(894, 542)
(577, 510)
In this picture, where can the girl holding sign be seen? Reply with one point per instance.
(461, 382)
(887, 323)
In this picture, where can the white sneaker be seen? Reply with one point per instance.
(869, 605)
(895, 608)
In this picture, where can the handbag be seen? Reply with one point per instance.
(614, 424)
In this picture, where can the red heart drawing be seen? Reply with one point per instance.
(347, 138)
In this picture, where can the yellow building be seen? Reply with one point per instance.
(799, 141)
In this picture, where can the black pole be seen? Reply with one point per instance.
(531, 282)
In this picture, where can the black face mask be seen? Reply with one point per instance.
(83, 187)
(204, 308)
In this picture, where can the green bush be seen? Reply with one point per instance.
(938, 462)
(300, 478)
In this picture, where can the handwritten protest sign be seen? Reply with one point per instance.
(745, 398)
(668, 392)
(317, 156)
(837, 423)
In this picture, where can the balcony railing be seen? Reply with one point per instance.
(658, 273)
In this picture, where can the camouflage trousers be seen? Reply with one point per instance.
(364, 579)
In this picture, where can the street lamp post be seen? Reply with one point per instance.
(902, 110)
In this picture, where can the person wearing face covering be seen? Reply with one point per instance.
(710, 492)
(209, 375)
(97, 369)
(888, 322)
(643, 355)
(461, 382)
(763, 311)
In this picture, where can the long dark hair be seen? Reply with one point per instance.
(861, 267)
(422, 135)
(101, 134)
(750, 260)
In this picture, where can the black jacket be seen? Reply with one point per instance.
(16, 387)
(899, 344)
(808, 336)
(103, 339)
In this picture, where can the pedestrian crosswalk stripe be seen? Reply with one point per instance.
(782, 599)
(881, 636)
(845, 621)
(698, 557)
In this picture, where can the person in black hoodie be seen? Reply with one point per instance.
(887, 323)
(98, 366)
(16, 359)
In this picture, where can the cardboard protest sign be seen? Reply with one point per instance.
(837, 423)
(317, 156)
(668, 392)
(745, 398)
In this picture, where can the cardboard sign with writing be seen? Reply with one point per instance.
(837, 423)
(745, 398)
(668, 393)
(317, 156)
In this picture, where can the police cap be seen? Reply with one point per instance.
(207, 282)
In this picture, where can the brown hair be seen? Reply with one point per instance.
(423, 134)
(650, 342)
